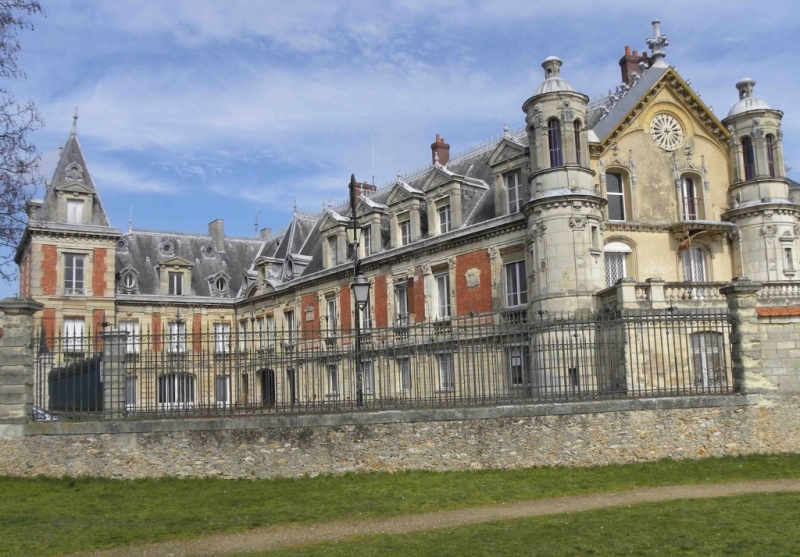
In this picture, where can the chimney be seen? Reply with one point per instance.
(216, 229)
(265, 233)
(32, 208)
(365, 188)
(630, 63)
(439, 147)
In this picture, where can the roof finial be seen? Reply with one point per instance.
(255, 231)
(657, 43)
(130, 220)
(60, 147)
(295, 206)
(399, 175)
(436, 159)
(75, 122)
(505, 129)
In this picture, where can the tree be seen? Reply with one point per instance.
(19, 160)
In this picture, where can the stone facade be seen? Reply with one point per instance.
(594, 436)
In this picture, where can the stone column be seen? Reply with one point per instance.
(657, 299)
(16, 359)
(748, 362)
(114, 376)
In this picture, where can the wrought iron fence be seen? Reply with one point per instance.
(481, 360)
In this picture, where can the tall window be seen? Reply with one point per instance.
(73, 274)
(74, 211)
(332, 245)
(222, 338)
(400, 304)
(259, 331)
(175, 284)
(365, 318)
(366, 240)
(694, 265)
(330, 315)
(73, 334)
(576, 126)
(554, 140)
(516, 284)
(176, 389)
(405, 232)
(333, 379)
(771, 155)
(222, 390)
(443, 295)
(616, 196)
(749, 155)
(514, 192)
(289, 316)
(788, 259)
(131, 392)
(614, 255)
(708, 349)
(176, 340)
(405, 373)
(368, 375)
(270, 331)
(132, 328)
(690, 201)
(519, 365)
(447, 380)
(444, 218)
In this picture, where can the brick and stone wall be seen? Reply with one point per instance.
(503, 438)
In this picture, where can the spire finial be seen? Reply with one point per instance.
(505, 129)
(657, 43)
(295, 206)
(75, 122)
(399, 175)
(255, 231)
(436, 159)
(130, 220)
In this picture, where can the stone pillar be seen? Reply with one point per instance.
(657, 299)
(748, 362)
(16, 359)
(114, 376)
(626, 294)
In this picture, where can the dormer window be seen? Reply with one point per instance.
(405, 232)
(74, 211)
(443, 213)
(333, 250)
(514, 189)
(366, 240)
(221, 284)
(176, 284)
(128, 282)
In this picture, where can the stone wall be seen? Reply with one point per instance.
(780, 346)
(580, 434)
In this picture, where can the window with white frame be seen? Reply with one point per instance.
(270, 331)
(330, 316)
(405, 373)
(289, 317)
(366, 241)
(514, 188)
(222, 338)
(175, 284)
(516, 284)
(447, 379)
(74, 270)
(176, 338)
(690, 199)
(73, 334)
(242, 336)
(405, 232)
(131, 392)
(74, 211)
(443, 295)
(132, 343)
(519, 365)
(443, 213)
(694, 265)
(615, 192)
(176, 390)
(368, 377)
(400, 304)
(365, 317)
(333, 379)
(333, 250)
(260, 332)
(222, 390)
(615, 254)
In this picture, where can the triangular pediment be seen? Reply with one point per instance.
(75, 187)
(638, 100)
(506, 150)
(438, 178)
(402, 191)
(332, 220)
(175, 262)
(366, 207)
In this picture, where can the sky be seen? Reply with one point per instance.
(193, 110)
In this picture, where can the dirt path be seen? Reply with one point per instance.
(274, 537)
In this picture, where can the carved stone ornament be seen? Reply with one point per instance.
(796, 230)
(758, 133)
(74, 173)
(788, 235)
(426, 268)
(567, 116)
(770, 230)
(578, 223)
(577, 206)
(494, 253)
(451, 262)
(666, 132)
(768, 215)
(473, 278)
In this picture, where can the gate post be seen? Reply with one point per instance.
(16, 359)
(114, 376)
(746, 355)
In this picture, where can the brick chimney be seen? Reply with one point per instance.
(365, 188)
(439, 147)
(216, 229)
(630, 63)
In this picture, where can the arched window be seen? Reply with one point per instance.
(694, 265)
(691, 202)
(615, 255)
(554, 139)
(749, 159)
(576, 125)
(615, 192)
(771, 155)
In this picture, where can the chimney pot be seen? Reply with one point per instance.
(216, 229)
(636, 53)
(627, 51)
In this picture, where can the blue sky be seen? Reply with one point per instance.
(192, 110)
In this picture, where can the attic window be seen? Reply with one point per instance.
(166, 249)
(221, 284)
(122, 245)
(128, 282)
(208, 252)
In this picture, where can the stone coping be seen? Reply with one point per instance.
(170, 425)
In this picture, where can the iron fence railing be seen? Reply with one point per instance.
(481, 360)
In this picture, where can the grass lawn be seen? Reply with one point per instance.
(758, 525)
(42, 516)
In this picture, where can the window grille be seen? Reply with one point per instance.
(615, 267)
(176, 340)
(73, 335)
(694, 265)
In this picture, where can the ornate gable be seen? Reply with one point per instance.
(437, 178)
(175, 262)
(506, 150)
(401, 192)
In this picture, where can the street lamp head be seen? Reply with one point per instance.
(360, 288)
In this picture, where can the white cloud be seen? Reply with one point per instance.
(115, 177)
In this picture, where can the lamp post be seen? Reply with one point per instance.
(360, 289)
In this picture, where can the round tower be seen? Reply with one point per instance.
(564, 212)
(766, 220)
